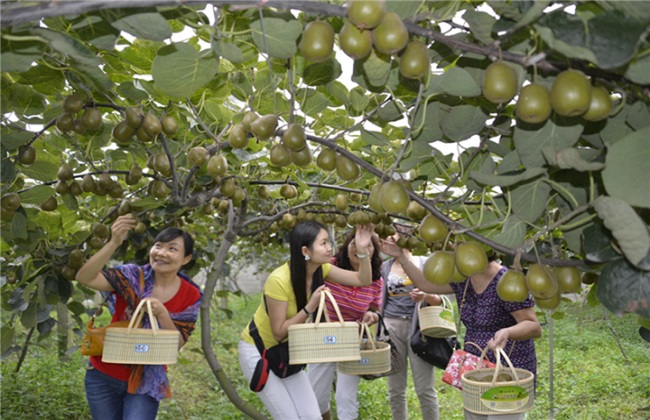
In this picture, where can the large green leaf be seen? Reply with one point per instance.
(572, 158)
(37, 194)
(529, 201)
(597, 244)
(312, 102)
(21, 99)
(556, 134)
(512, 233)
(96, 30)
(228, 51)
(8, 333)
(506, 179)
(318, 74)
(179, 70)
(462, 122)
(624, 288)
(626, 175)
(374, 138)
(613, 38)
(276, 35)
(147, 25)
(456, 81)
(426, 122)
(626, 226)
(639, 71)
(480, 23)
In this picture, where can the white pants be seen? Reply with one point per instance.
(423, 377)
(290, 398)
(321, 376)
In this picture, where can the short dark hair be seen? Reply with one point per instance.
(169, 234)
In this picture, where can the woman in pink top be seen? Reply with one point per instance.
(358, 304)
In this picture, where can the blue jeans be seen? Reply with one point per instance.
(108, 399)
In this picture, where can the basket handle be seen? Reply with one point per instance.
(138, 314)
(500, 353)
(446, 303)
(322, 307)
(364, 328)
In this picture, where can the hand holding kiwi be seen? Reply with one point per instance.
(121, 228)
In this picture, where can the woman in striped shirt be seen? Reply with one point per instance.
(356, 304)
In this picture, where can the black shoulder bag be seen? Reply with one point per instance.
(275, 358)
(436, 351)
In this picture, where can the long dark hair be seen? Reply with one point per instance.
(303, 234)
(342, 257)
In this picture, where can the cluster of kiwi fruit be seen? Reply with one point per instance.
(546, 284)
(571, 95)
(367, 26)
(144, 127)
(69, 120)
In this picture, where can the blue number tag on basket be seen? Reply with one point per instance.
(329, 339)
(364, 361)
(142, 348)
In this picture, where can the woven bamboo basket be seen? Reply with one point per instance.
(505, 396)
(437, 321)
(375, 357)
(140, 346)
(324, 342)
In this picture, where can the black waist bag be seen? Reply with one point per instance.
(275, 359)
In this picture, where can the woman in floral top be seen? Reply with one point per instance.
(489, 320)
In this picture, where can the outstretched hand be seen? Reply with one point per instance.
(389, 247)
(121, 227)
(363, 237)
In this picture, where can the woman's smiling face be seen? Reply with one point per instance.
(169, 256)
(320, 251)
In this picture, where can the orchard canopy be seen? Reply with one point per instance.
(524, 127)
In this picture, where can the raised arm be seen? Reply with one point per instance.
(363, 277)
(390, 247)
(90, 273)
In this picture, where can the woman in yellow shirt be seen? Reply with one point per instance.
(291, 294)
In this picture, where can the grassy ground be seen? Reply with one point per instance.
(592, 379)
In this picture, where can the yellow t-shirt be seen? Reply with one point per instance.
(277, 286)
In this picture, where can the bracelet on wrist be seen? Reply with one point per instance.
(307, 311)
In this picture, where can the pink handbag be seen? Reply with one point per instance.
(461, 362)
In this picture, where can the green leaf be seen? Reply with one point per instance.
(358, 100)
(390, 112)
(19, 226)
(129, 91)
(148, 25)
(318, 74)
(76, 308)
(37, 194)
(533, 13)
(624, 288)
(228, 51)
(374, 138)
(512, 233)
(626, 226)
(627, 167)
(21, 99)
(277, 36)
(639, 71)
(565, 48)
(179, 70)
(96, 30)
(462, 122)
(638, 115)
(529, 200)
(597, 244)
(373, 70)
(8, 334)
(28, 317)
(426, 123)
(404, 9)
(456, 82)
(480, 23)
(592, 298)
(613, 38)
(557, 135)
(7, 170)
(18, 56)
(338, 93)
(571, 158)
(313, 102)
(506, 180)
